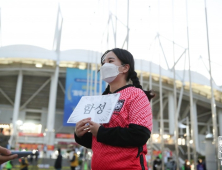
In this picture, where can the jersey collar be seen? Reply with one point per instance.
(124, 87)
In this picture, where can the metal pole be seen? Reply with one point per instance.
(16, 106)
(127, 25)
(191, 97)
(161, 113)
(181, 90)
(192, 118)
(161, 96)
(49, 138)
(150, 87)
(188, 139)
(213, 104)
(53, 87)
(175, 95)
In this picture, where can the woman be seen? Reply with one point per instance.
(120, 144)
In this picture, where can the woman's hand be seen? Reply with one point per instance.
(82, 127)
(94, 127)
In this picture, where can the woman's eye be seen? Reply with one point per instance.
(110, 61)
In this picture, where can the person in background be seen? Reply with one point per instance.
(5, 155)
(31, 158)
(186, 165)
(3, 139)
(9, 165)
(45, 150)
(200, 165)
(171, 164)
(36, 156)
(58, 162)
(157, 163)
(24, 164)
(74, 162)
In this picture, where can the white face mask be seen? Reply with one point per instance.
(109, 72)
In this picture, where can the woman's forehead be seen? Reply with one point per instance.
(109, 55)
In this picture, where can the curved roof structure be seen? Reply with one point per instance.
(69, 58)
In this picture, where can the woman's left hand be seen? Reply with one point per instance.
(94, 127)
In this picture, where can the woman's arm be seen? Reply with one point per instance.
(135, 135)
(82, 134)
(85, 140)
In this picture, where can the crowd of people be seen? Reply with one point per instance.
(6, 157)
(171, 164)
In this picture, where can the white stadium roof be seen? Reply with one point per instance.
(38, 54)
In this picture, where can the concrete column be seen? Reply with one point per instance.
(220, 121)
(195, 128)
(16, 107)
(44, 119)
(155, 126)
(50, 132)
(211, 158)
(171, 113)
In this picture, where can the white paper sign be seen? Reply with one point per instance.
(99, 108)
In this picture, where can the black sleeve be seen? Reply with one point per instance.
(134, 136)
(85, 140)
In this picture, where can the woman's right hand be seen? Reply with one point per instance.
(82, 127)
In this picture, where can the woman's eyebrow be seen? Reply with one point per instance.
(108, 58)
(111, 58)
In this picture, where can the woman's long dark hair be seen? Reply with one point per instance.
(127, 58)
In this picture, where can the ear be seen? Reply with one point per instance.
(126, 68)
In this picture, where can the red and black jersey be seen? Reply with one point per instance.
(121, 144)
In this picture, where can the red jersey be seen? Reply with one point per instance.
(133, 107)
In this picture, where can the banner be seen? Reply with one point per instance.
(28, 146)
(50, 147)
(76, 87)
(65, 136)
(31, 134)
